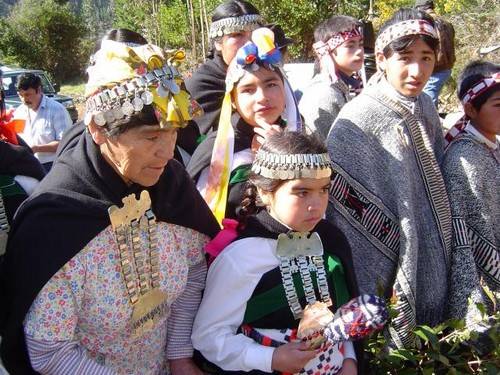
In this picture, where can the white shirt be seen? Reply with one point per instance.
(45, 125)
(471, 129)
(231, 280)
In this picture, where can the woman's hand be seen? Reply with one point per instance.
(349, 367)
(292, 357)
(262, 131)
(184, 366)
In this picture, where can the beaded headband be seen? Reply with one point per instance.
(123, 78)
(404, 28)
(480, 87)
(291, 166)
(225, 26)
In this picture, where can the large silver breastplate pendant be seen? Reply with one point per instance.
(140, 265)
(302, 252)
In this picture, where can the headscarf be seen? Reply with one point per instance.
(259, 52)
(125, 77)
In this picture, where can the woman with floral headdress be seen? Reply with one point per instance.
(104, 269)
(263, 103)
(388, 193)
(232, 24)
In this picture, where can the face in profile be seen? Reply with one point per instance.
(349, 56)
(140, 154)
(260, 96)
(408, 71)
(229, 44)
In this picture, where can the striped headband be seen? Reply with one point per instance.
(401, 29)
(229, 25)
(480, 87)
(322, 48)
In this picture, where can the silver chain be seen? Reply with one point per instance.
(290, 292)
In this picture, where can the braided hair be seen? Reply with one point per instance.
(283, 143)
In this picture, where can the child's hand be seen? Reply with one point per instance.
(291, 357)
(349, 367)
(264, 130)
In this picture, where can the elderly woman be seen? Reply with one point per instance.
(104, 268)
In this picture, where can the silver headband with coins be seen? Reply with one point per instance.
(292, 166)
(401, 29)
(225, 26)
(131, 96)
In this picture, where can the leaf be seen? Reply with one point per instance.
(427, 334)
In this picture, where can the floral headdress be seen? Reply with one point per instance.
(124, 77)
(259, 52)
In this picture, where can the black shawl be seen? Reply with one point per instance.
(68, 209)
(334, 242)
(208, 86)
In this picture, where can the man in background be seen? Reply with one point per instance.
(46, 119)
(446, 55)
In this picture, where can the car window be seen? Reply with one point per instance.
(10, 83)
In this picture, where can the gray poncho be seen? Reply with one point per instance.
(471, 171)
(389, 199)
(321, 103)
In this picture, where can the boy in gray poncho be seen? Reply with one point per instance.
(388, 195)
(471, 169)
(339, 50)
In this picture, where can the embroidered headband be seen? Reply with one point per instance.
(291, 166)
(225, 26)
(261, 51)
(125, 77)
(323, 49)
(480, 87)
(401, 29)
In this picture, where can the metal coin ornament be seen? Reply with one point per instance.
(127, 108)
(118, 113)
(162, 91)
(138, 104)
(108, 116)
(147, 97)
(99, 119)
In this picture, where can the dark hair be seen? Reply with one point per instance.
(231, 8)
(283, 144)
(472, 74)
(28, 81)
(144, 117)
(328, 28)
(125, 36)
(2, 96)
(402, 44)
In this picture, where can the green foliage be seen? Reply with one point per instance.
(46, 36)
(300, 17)
(450, 348)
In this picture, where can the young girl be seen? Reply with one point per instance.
(339, 50)
(258, 102)
(388, 195)
(472, 175)
(254, 296)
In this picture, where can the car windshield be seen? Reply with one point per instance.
(10, 82)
